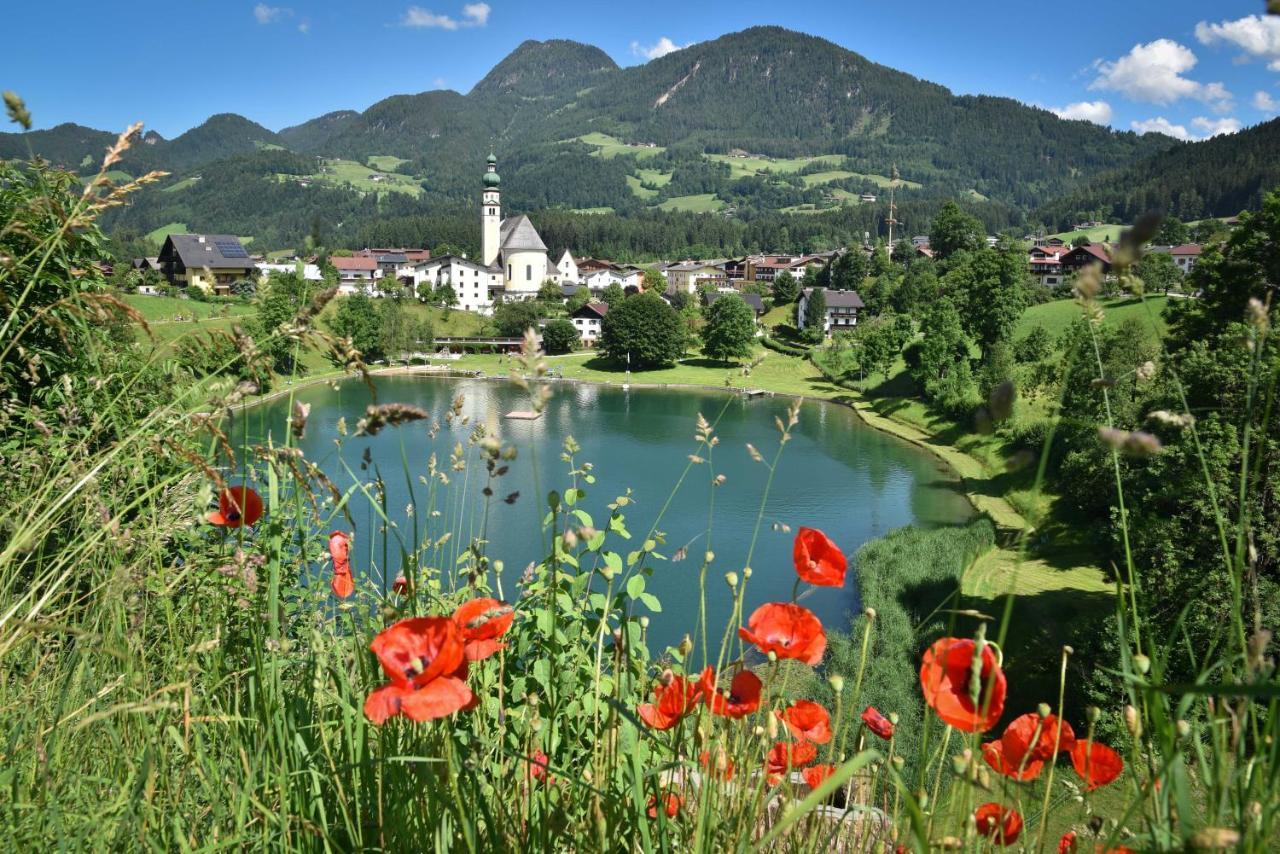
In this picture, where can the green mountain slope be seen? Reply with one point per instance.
(1217, 177)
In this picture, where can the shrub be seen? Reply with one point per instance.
(559, 336)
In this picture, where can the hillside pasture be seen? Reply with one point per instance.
(1056, 316)
(385, 162)
(607, 146)
(697, 203)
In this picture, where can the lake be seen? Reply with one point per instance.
(837, 474)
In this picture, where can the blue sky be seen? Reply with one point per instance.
(1191, 69)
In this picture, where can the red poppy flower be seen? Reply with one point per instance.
(671, 703)
(786, 630)
(538, 767)
(783, 757)
(671, 804)
(998, 758)
(723, 764)
(815, 774)
(944, 678)
(340, 550)
(237, 505)
(1067, 844)
(423, 658)
(742, 698)
(996, 821)
(807, 721)
(817, 559)
(1096, 763)
(1018, 735)
(481, 622)
(877, 723)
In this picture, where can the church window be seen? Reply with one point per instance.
(509, 271)
(528, 272)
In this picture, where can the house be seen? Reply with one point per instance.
(356, 274)
(687, 277)
(754, 301)
(920, 240)
(842, 309)
(568, 268)
(475, 286)
(589, 320)
(1186, 256)
(211, 262)
(1082, 256)
(310, 272)
(1045, 265)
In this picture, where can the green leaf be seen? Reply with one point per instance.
(635, 586)
(584, 517)
(651, 602)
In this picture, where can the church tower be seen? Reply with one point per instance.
(490, 213)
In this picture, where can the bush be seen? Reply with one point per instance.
(956, 394)
(1037, 345)
(513, 318)
(779, 347)
(559, 336)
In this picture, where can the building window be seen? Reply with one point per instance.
(508, 271)
(528, 272)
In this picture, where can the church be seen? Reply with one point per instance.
(513, 260)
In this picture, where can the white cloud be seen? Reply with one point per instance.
(473, 15)
(1216, 127)
(1263, 101)
(1207, 127)
(304, 27)
(1153, 72)
(1162, 125)
(1098, 112)
(662, 47)
(1257, 36)
(440, 82)
(270, 14)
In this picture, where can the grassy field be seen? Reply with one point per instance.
(1097, 234)
(342, 173)
(641, 192)
(742, 167)
(1058, 315)
(813, 179)
(608, 146)
(157, 235)
(181, 185)
(165, 309)
(385, 162)
(604, 209)
(700, 203)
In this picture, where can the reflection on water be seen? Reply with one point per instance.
(836, 474)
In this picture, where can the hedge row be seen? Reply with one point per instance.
(785, 349)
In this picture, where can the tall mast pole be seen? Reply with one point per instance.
(893, 209)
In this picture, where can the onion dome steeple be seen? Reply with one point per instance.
(491, 178)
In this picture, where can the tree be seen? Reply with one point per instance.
(445, 296)
(559, 336)
(550, 293)
(1035, 347)
(785, 288)
(614, 295)
(849, 270)
(1159, 272)
(944, 343)
(815, 315)
(679, 300)
(880, 346)
(513, 318)
(357, 318)
(580, 297)
(1172, 232)
(654, 281)
(954, 230)
(730, 330)
(643, 332)
(919, 287)
(989, 288)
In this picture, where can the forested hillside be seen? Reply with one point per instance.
(771, 128)
(1218, 177)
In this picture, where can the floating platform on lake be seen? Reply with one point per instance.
(523, 415)
(754, 392)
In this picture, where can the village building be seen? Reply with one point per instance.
(688, 277)
(568, 268)
(356, 274)
(842, 310)
(310, 272)
(1083, 256)
(589, 321)
(1186, 256)
(1045, 265)
(211, 262)
(476, 287)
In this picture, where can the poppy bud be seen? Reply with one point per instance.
(837, 683)
(686, 646)
(959, 763)
(1043, 710)
(720, 479)
(1215, 839)
(893, 718)
(953, 843)
(731, 578)
(1132, 722)
(759, 732)
(773, 656)
(1143, 663)
(709, 556)
(1068, 649)
(746, 572)
(870, 613)
(899, 762)
(644, 622)
(1092, 714)
(570, 539)
(772, 725)
(667, 676)
(1184, 728)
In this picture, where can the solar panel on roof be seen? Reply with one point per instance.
(230, 249)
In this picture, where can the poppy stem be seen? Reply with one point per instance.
(1057, 742)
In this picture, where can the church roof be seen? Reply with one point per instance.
(517, 234)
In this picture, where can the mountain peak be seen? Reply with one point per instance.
(543, 68)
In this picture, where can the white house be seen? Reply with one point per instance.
(568, 268)
(686, 277)
(310, 272)
(474, 285)
(842, 310)
(589, 320)
(1186, 256)
(356, 274)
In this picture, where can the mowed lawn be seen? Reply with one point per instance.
(698, 203)
(166, 309)
(1056, 316)
(608, 147)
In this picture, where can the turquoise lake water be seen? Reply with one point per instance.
(836, 474)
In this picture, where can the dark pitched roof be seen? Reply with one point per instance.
(840, 299)
(592, 309)
(517, 234)
(206, 250)
(753, 300)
